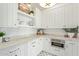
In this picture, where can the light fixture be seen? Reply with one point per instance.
(47, 5)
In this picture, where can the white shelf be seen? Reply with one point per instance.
(26, 26)
(25, 14)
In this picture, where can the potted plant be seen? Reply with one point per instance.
(2, 34)
(31, 13)
(72, 32)
(76, 32)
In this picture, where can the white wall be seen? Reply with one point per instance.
(17, 31)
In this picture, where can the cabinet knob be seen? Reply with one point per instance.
(10, 52)
(15, 24)
(33, 42)
(18, 19)
(16, 55)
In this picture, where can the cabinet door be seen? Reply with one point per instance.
(10, 51)
(46, 44)
(39, 45)
(21, 20)
(8, 13)
(57, 18)
(70, 16)
(35, 47)
(78, 48)
(57, 51)
(19, 50)
(38, 18)
(4, 52)
(3, 14)
(32, 48)
(45, 22)
(24, 49)
(15, 52)
(71, 48)
(53, 18)
(12, 14)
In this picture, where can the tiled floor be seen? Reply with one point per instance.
(43, 53)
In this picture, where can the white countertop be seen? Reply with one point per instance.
(20, 40)
(17, 40)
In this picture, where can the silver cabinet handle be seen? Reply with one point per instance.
(13, 50)
(18, 19)
(15, 24)
(21, 22)
(33, 42)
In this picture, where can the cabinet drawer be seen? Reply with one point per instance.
(16, 52)
(58, 51)
(17, 49)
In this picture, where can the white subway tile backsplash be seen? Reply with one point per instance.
(17, 31)
(58, 31)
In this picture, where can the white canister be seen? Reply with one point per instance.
(71, 35)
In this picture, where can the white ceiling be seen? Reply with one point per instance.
(37, 5)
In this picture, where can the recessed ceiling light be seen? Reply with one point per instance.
(47, 5)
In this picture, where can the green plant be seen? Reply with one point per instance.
(71, 30)
(2, 34)
(31, 12)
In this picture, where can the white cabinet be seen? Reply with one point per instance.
(57, 51)
(12, 17)
(10, 51)
(35, 46)
(78, 48)
(46, 44)
(32, 47)
(39, 45)
(8, 14)
(17, 50)
(21, 20)
(45, 22)
(25, 20)
(52, 49)
(38, 18)
(4, 52)
(65, 16)
(53, 18)
(23, 49)
(71, 48)
(71, 15)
